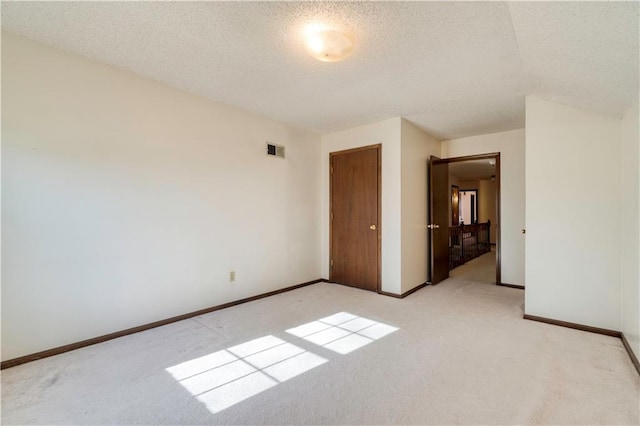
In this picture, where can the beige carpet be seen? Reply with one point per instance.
(455, 353)
(482, 269)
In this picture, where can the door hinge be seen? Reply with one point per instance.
(331, 264)
(331, 215)
(331, 169)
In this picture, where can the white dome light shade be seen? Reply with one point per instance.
(329, 45)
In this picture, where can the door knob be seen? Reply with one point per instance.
(372, 227)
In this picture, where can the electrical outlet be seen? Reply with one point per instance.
(232, 276)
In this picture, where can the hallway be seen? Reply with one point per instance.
(481, 269)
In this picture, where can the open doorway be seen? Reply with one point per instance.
(468, 206)
(472, 234)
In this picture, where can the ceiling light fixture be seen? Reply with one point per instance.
(328, 45)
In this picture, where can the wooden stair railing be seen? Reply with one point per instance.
(467, 242)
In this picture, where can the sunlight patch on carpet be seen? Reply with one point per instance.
(227, 377)
(342, 332)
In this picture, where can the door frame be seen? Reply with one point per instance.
(496, 157)
(378, 148)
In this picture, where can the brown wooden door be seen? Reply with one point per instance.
(355, 217)
(439, 219)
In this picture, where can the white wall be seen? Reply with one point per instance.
(630, 228)
(487, 206)
(126, 201)
(511, 147)
(387, 133)
(573, 215)
(417, 147)
(469, 184)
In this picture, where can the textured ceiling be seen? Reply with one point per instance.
(453, 68)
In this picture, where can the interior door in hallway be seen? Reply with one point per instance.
(355, 250)
(439, 213)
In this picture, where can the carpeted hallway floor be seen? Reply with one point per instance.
(455, 353)
(481, 269)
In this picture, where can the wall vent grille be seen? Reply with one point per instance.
(275, 150)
